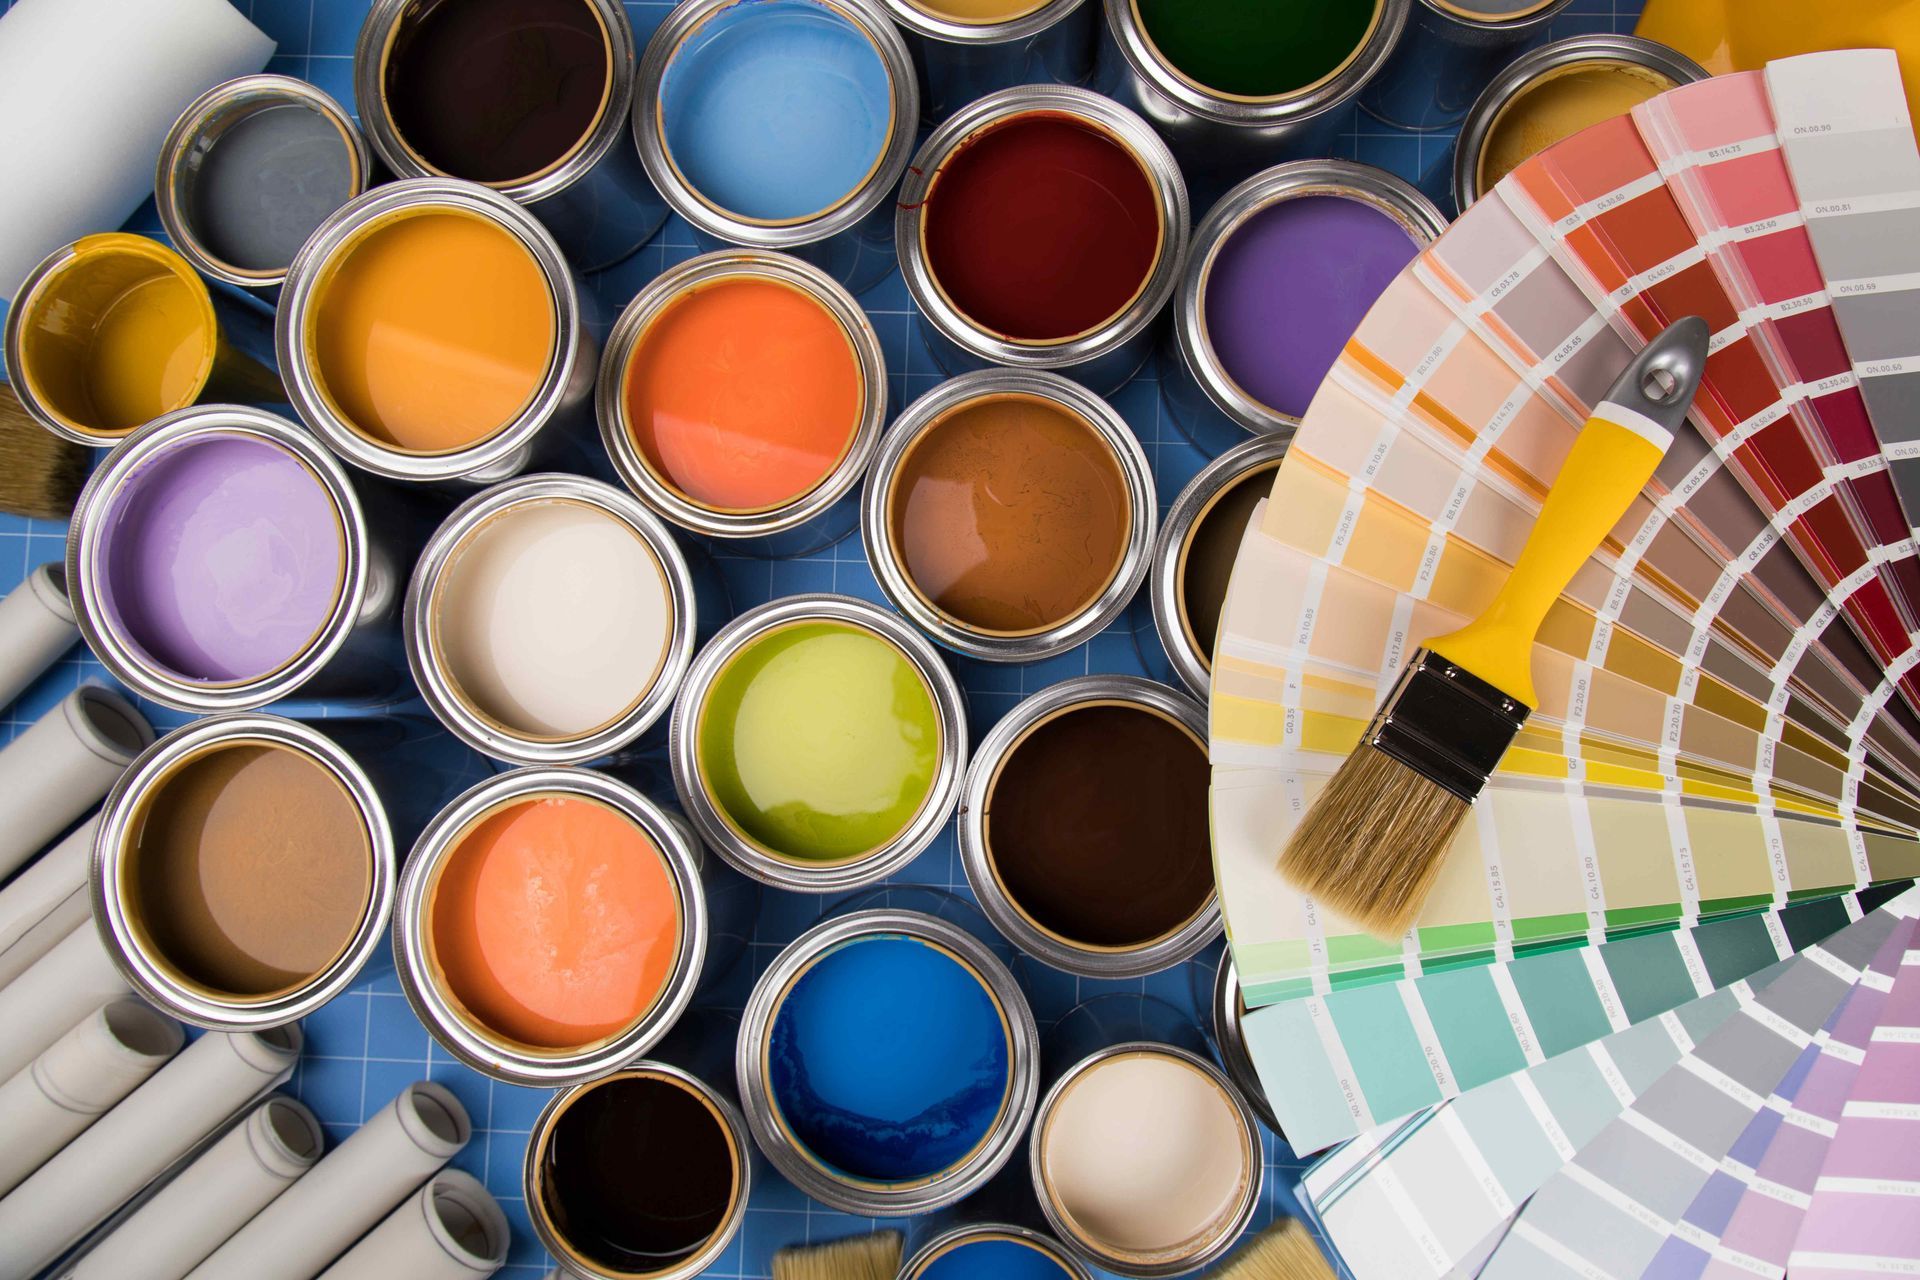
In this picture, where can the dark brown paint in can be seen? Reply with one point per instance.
(1206, 562)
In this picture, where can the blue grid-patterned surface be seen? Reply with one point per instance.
(367, 1045)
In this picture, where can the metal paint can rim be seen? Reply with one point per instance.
(1080, 959)
(502, 449)
(731, 1123)
(214, 109)
(1189, 510)
(360, 587)
(649, 133)
(489, 1053)
(652, 302)
(932, 26)
(1232, 1225)
(440, 690)
(1344, 179)
(937, 1190)
(746, 855)
(173, 992)
(955, 1237)
(1229, 1035)
(1104, 115)
(876, 525)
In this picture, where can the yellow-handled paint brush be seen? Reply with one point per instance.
(1372, 844)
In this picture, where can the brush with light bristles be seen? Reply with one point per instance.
(874, 1257)
(1284, 1251)
(1372, 844)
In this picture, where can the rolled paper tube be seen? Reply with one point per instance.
(89, 157)
(61, 766)
(61, 988)
(360, 1182)
(90, 1068)
(135, 1142)
(36, 627)
(45, 901)
(451, 1229)
(209, 1200)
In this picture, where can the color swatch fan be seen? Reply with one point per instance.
(1722, 774)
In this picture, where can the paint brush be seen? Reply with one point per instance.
(874, 1257)
(1371, 846)
(40, 473)
(1284, 1251)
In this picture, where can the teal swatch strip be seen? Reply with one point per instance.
(1337, 1064)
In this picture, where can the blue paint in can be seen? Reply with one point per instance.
(888, 1060)
(776, 110)
(993, 1258)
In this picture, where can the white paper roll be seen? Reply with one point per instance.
(36, 622)
(59, 989)
(45, 901)
(89, 89)
(135, 1142)
(358, 1183)
(209, 1200)
(450, 1229)
(78, 1077)
(65, 761)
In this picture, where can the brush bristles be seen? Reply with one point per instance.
(1372, 844)
(1284, 1251)
(874, 1257)
(40, 474)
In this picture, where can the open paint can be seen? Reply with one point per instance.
(1450, 51)
(818, 743)
(1230, 1041)
(1550, 94)
(1083, 827)
(781, 124)
(250, 169)
(887, 1063)
(550, 620)
(1009, 514)
(966, 49)
(1236, 84)
(1042, 227)
(431, 331)
(114, 330)
(640, 1175)
(560, 986)
(1283, 269)
(243, 871)
(527, 97)
(1146, 1160)
(993, 1251)
(1194, 556)
(220, 558)
(741, 396)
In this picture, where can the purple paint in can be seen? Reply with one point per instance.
(1288, 287)
(223, 558)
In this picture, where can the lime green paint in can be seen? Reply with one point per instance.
(819, 741)
(1256, 48)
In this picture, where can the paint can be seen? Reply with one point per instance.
(248, 171)
(1228, 102)
(781, 124)
(1146, 1160)
(887, 1063)
(550, 620)
(1052, 556)
(1222, 995)
(966, 49)
(1549, 94)
(1449, 52)
(1283, 269)
(553, 991)
(1075, 285)
(993, 1251)
(114, 330)
(243, 870)
(1083, 827)
(641, 1175)
(741, 396)
(842, 710)
(474, 282)
(186, 601)
(1194, 557)
(444, 87)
